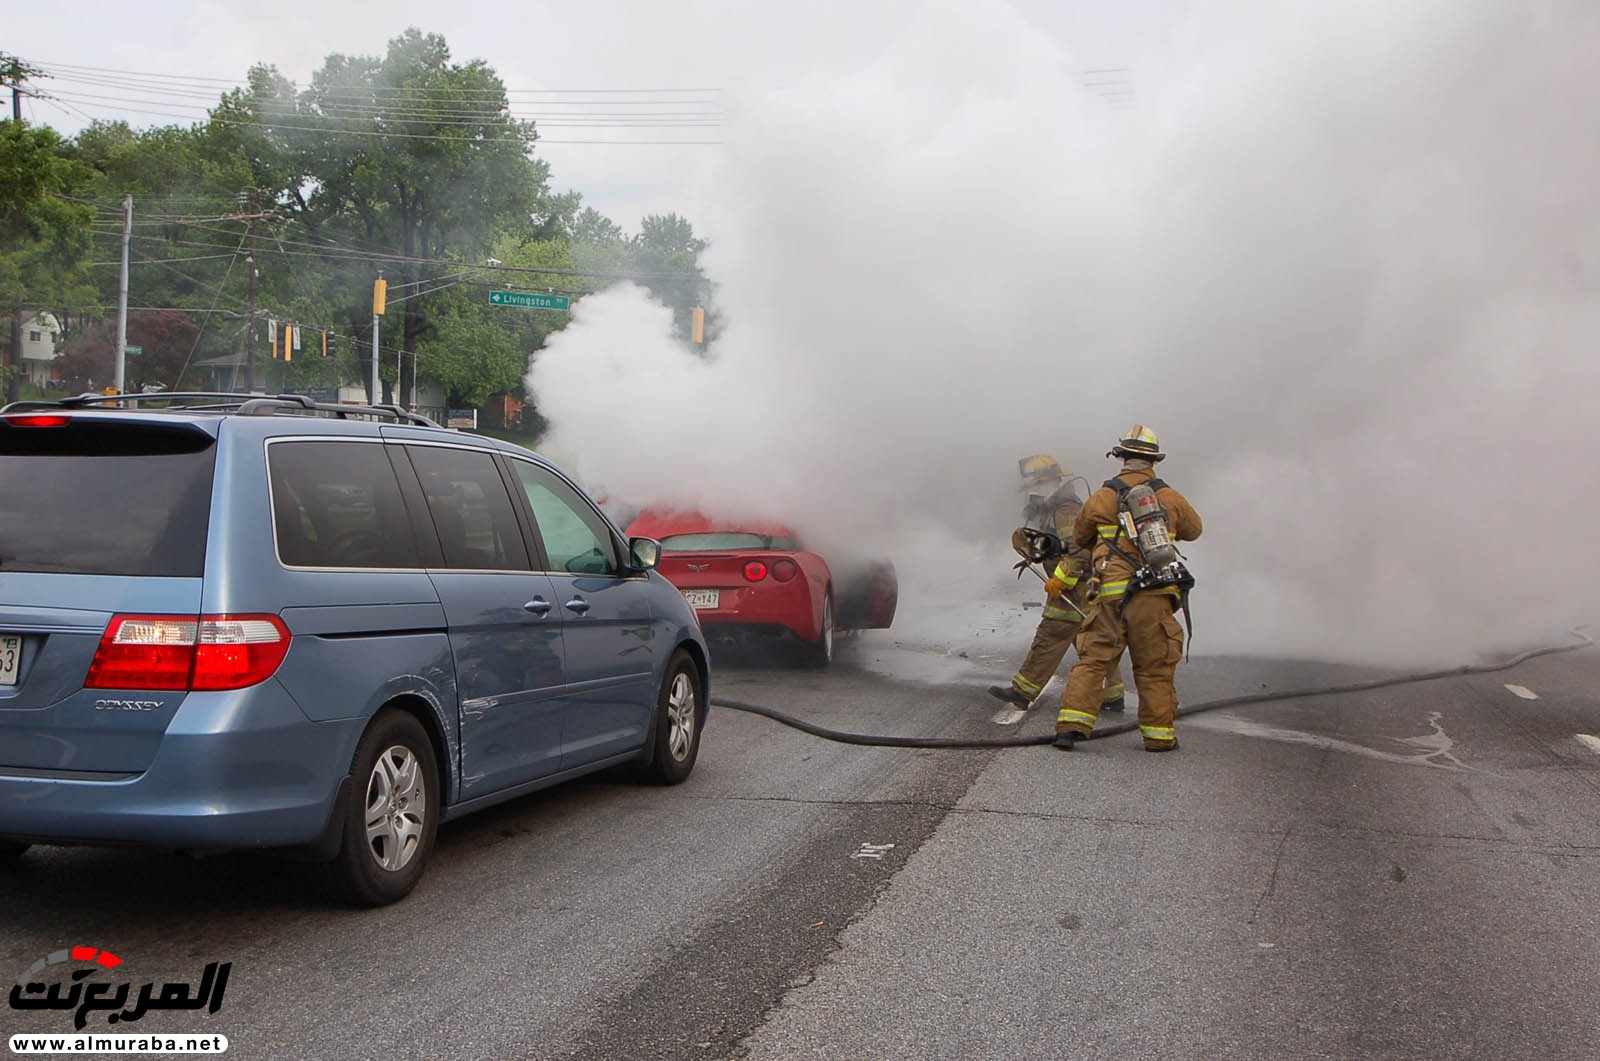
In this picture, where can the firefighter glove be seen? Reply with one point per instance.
(1054, 587)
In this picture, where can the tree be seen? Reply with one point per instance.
(414, 157)
(667, 258)
(595, 229)
(166, 340)
(44, 237)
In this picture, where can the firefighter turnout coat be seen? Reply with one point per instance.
(1143, 624)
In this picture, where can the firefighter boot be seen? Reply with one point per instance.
(1009, 694)
(1066, 738)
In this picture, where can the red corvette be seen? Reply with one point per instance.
(747, 579)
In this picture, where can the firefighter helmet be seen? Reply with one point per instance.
(1140, 442)
(1041, 473)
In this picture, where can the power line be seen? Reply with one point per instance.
(446, 116)
(434, 106)
(238, 82)
(353, 254)
(373, 96)
(518, 138)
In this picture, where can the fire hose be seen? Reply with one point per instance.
(1584, 641)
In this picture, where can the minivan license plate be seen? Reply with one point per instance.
(10, 658)
(701, 598)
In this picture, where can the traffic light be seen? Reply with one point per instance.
(697, 325)
(380, 296)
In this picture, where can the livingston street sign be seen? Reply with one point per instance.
(528, 300)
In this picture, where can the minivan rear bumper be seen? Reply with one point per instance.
(241, 769)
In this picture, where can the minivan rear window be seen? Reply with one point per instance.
(105, 498)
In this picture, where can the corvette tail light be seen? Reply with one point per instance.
(181, 652)
(755, 571)
(784, 570)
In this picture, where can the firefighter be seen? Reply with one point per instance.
(1052, 505)
(1133, 602)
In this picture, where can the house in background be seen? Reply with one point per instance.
(39, 338)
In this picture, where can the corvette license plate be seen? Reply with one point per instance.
(10, 658)
(701, 598)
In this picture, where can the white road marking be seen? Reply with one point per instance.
(1590, 742)
(1433, 749)
(1523, 691)
(875, 852)
(1009, 716)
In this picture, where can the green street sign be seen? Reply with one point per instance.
(133, 350)
(528, 300)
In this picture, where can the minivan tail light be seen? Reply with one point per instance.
(179, 652)
(238, 650)
(38, 420)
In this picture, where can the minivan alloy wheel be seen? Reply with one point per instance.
(397, 807)
(681, 707)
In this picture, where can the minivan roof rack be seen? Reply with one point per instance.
(242, 404)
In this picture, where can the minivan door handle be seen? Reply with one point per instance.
(576, 604)
(538, 606)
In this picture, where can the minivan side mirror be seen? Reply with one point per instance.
(643, 553)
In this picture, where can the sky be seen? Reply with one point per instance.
(729, 47)
(1342, 256)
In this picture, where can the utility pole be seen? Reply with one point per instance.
(14, 72)
(250, 334)
(120, 379)
(380, 301)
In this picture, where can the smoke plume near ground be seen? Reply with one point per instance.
(1345, 263)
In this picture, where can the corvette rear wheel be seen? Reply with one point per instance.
(819, 653)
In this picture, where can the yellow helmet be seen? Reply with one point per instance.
(1038, 471)
(1139, 442)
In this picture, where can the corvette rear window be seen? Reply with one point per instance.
(105, 500)
(711, 540)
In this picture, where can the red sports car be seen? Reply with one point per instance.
(748, 579)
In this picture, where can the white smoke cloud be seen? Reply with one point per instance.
(1345, 263)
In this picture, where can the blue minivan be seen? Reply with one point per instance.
(234, 621)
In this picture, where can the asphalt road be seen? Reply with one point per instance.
(1401, 873)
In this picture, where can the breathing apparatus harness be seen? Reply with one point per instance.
(1159, 564)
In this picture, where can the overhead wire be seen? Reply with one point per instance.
(434, 115)
(238, 82)
(433, 106)
(313, 250)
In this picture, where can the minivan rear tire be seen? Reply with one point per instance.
(392, 814)
(679, 714)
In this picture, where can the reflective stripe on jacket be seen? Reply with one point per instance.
(1098, 528)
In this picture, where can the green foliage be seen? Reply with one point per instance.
(43, 236)
(409, 163)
